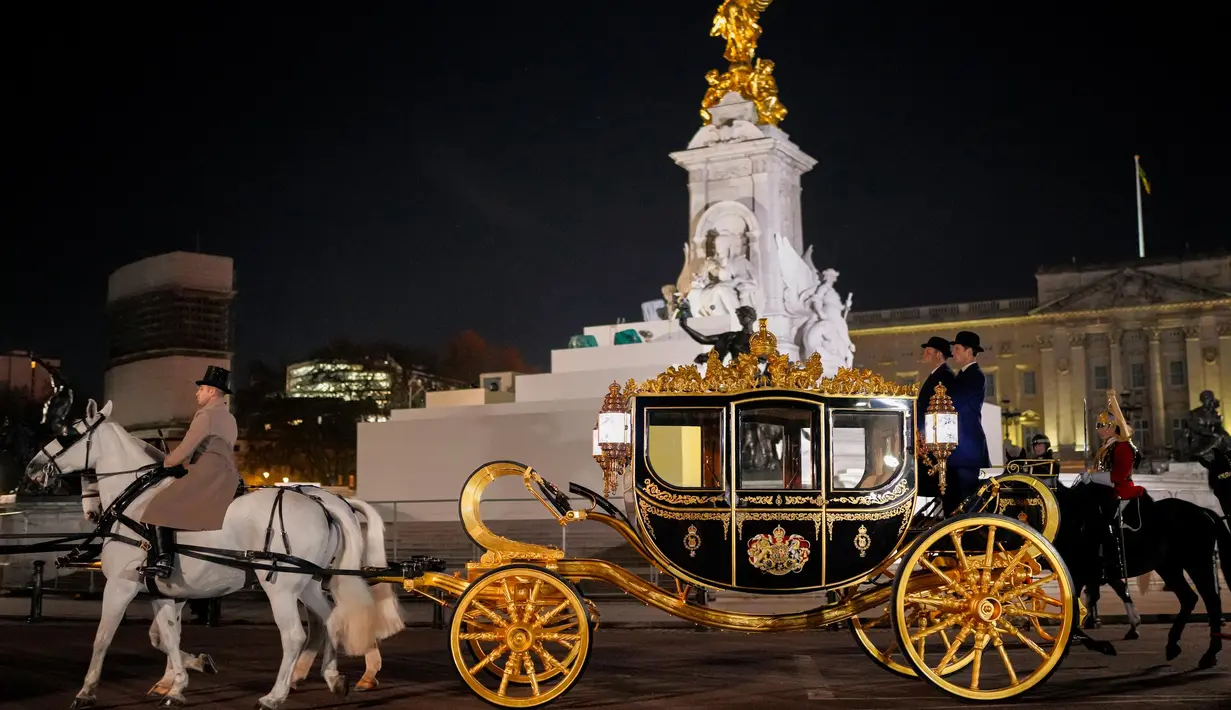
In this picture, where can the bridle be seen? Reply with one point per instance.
(67, 441)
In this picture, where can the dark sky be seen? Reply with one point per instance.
(404, 170)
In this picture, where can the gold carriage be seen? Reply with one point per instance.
(762, 477)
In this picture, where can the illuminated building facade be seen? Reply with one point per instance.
(1157, 332)
(340, 379)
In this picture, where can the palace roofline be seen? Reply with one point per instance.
(1075, 267)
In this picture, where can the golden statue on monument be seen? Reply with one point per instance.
(736, 21)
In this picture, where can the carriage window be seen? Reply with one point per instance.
(684, 446)
(867, 448)
(777, 448)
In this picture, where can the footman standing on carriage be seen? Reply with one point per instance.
(971, 455)
(204, 466)
(935, 354)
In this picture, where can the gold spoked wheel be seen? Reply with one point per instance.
(993, 604)
(875, 632)
(520, 636)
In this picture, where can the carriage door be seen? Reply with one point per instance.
(778, 509)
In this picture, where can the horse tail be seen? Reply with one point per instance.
(389, 611)
(353, 622)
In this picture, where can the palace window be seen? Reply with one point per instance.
(1028, 384)
(1178, 376)
(1101, 380)
(1137, 375)
(989, 387)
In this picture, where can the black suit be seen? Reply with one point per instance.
(971, 454)
(928, 485)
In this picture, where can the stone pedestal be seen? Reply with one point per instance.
(743, 188)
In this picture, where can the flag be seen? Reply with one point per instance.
(1144, 182)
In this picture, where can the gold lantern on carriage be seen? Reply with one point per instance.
(613, 436)
(939, 433)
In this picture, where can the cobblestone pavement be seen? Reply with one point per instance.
(42, 665)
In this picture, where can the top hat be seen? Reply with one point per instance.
(940, 344)
(217, 377)
(969, 339)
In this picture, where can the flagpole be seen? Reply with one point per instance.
(1141, 230)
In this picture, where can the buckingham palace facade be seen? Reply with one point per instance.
(1158, 332)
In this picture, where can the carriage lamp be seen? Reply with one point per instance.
(940, 432)
(612, 438)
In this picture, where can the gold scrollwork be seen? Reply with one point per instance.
(759, 500)
(692, 541)
(870, 516)
(1006, 503)
(744, 374)
(647, 510)
(888, 496)
(863, 541)
(657, 493)
(741, 517)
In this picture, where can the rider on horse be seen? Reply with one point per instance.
(204, 466)
(1112, 481)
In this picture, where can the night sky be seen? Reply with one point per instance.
(405, 170)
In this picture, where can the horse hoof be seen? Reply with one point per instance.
(1132, 635)
(1173, 650)
(86, 701)
(208, 666)
(156, 692)
(172, 702)
(365, 685)
(1207, 661)
(340, 687)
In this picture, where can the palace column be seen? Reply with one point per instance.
(1117, 363)
(1224, 369)
(1077, 390)
(1047, 380)
(1195, 369)
(1158, 414)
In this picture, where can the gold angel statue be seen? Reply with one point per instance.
(736, 21)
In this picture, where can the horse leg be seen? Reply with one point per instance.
(1134, 618)
(317, 634)
(318, 612)
(167, 616)
(201, 663)
(1092, 597)
(1173, 577)
(284, 602)
(1202, 576)
(117, 594)
(372, 664)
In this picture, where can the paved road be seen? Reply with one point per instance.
(41, 666)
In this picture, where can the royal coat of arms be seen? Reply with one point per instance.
(778, 553)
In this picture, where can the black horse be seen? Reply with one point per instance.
(1169, 536)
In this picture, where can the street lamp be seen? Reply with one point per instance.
(939, 433)
(1008, 417)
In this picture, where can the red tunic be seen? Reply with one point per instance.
(1122, 471)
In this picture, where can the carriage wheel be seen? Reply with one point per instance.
(996, 585)
(530, 624)
(878, 638)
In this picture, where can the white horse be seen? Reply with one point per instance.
(355, 622)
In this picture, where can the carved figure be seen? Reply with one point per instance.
(1206, 434)
(826, 331)
(731, 343)
(736, 21)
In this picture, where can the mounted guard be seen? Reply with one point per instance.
(204, 466)
(1104, 491)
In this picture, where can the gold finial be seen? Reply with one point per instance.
(763, 343)
(736, 21)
